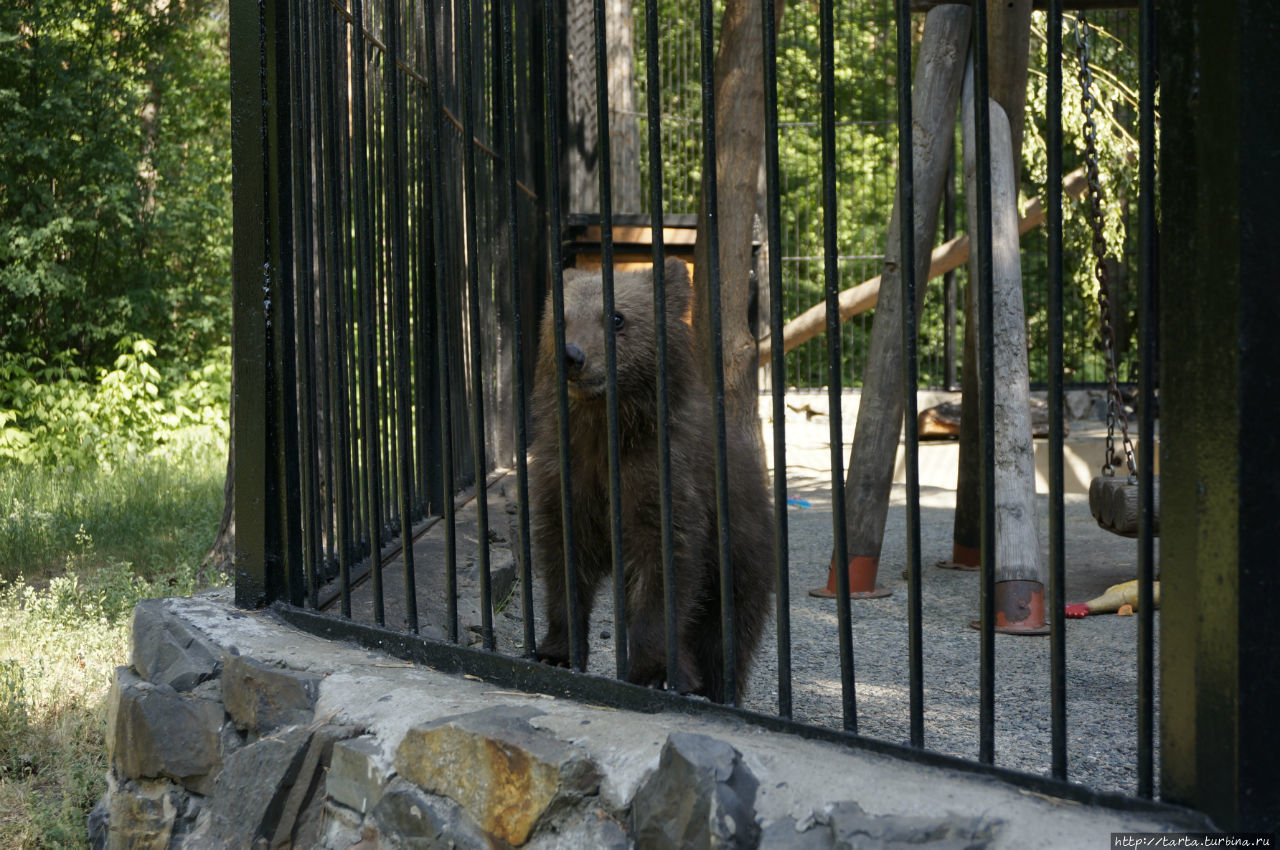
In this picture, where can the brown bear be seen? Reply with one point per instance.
(691, 427)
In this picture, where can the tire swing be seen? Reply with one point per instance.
(1113, 500)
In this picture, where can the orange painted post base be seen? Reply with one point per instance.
(963, 558)
(1019, 609)
(862, 581)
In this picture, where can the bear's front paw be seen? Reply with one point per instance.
(553, 652)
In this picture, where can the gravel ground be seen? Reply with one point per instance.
(1101, 650)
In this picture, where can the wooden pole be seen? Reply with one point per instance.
(1008, 36)
(1021, 574)
(935, 95)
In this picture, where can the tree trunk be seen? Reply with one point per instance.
(1008, 44)
(739, 95)
(1017, 545)
(935, 94)
(582, 136)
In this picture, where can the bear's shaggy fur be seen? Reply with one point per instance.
(694, 523)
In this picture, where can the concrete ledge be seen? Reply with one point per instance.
(391, 754)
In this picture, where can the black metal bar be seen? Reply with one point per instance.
(332, 302)
(716, 347)
(443, 388)
(252, 213)
(950, 355)
(910, 375)
(301, 305)
(831, 274)
(284, 334)
(604, 162)
(653, 95)
(551, 93)
(398, 208)
(517, 328)
(1148, 288)
(476, 332)
(1057, 540)
(986, 405)
(365, 287)
(778, 363)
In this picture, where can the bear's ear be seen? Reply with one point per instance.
(675, 278)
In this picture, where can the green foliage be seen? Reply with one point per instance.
(51, 415)
(114, 179)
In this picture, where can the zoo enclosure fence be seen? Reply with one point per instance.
(399, 205)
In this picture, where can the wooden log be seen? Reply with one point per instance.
(1017, 545)
(1007, 32)
(1113, 501)
(948, 256)
(935, 96)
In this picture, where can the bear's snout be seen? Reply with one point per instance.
(574, 359)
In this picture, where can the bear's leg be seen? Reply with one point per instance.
(647, 631)
(554, 647)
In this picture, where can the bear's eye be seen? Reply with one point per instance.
(618, 321)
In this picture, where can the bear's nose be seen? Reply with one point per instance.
(574, 359)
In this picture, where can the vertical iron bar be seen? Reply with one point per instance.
(517, 327)
(1149, 283)
(715, 344)
(1057, 540)
(443, 388)
(910, 375)
(396, 185)
(604, 162)
(551, 93)
(949, 279)
(301, 223)
(477, 336)
(653, 96)
(366, 286)
(986, 405)
(332, 304)
(281, 316)
(831, 274)
(256, 543)
(778, 361)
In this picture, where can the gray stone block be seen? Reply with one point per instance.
(357, 777)
(595, 830)
(853, 829)
(409, 818)
(299, 821)
(251, 791)
(154, 731)
(168, 650)
(786, 834)
(505, 773)
(149, 814)
(701, 795)
(260, 697)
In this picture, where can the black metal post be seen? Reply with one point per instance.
(778, 364)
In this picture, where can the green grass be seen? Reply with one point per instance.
(151, 512)
(78, 548)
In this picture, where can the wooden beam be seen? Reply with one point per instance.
(947, 256)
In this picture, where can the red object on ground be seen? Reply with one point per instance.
(1076, 612)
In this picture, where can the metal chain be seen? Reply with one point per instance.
(1115, 403)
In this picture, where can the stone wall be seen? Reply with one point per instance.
(232, 730)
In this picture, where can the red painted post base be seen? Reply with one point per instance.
(963, 557)
(1019, 609)
(862, 581)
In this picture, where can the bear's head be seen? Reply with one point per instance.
(631, 324)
